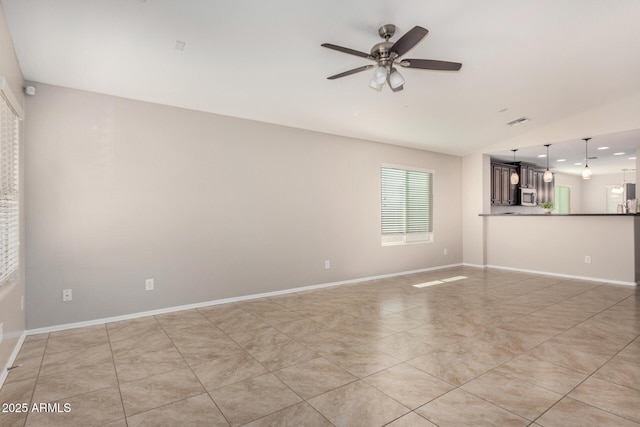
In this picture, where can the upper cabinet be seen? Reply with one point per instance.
(505, 193)
(502, 191)
(527, 176)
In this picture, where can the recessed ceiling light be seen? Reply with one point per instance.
(561, 160)
(577, 164)
(542, 156)
(603, 148)
(618, 154)
(632, 158)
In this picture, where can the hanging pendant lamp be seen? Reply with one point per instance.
(515, 178)
(586, 172)
(548, 175)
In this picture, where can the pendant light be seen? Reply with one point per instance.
(515, 179)
(620, 188)
(548, 175)
(586, 173)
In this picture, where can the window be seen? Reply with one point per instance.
(9, 193)
(407, 205)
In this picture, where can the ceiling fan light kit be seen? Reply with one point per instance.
(386, 54)
(375, 86)
(396, 81)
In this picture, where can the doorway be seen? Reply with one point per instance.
(562, 200)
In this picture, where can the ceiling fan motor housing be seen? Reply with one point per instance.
(381, 53)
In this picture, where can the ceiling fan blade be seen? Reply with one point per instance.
(409, 40)
(348, 73)
(347, 50)
(430, 64)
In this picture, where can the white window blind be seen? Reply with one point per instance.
(406, 205)
(9, 190)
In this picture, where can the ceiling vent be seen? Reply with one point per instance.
(519, 121)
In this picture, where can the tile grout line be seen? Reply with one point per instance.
(190, 368)
(588, 377)
(334, 297)
(526, 352)
(35, 383)
(113, 358)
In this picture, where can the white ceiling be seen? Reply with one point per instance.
(571, 66)
(608, 154)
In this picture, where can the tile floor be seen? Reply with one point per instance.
(498, 348)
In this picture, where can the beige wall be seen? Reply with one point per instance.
(209, 206)
(476, 176)
(594, 197)
(11, 313)
(558, 244)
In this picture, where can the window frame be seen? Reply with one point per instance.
(10, 199)
(392, 239)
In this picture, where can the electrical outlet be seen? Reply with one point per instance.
(327, 265)
(587, 259)
(149, 285)
(66, 295)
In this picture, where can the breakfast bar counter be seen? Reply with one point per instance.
(584, 246)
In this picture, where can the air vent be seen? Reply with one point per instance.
(519, 121)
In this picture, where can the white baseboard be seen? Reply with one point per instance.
(466, 264)
(102, 321)
(565, 276)
(12, 358)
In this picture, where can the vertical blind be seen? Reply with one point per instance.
(406, 201)
(9, 193)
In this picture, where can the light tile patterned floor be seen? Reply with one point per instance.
(498, 349)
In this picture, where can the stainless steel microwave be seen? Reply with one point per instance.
(528, 197)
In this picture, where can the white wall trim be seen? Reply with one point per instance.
(5, 91)
(566, 276)
(466, 264)
(12, 358)
(105, 320)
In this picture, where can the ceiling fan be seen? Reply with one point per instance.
(386, 54)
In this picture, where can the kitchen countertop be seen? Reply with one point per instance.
(542, 214)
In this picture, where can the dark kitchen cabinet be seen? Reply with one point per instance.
(502, 191)
(527, 176)
(544, 190)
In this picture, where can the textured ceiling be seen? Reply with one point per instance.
(571, 66)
